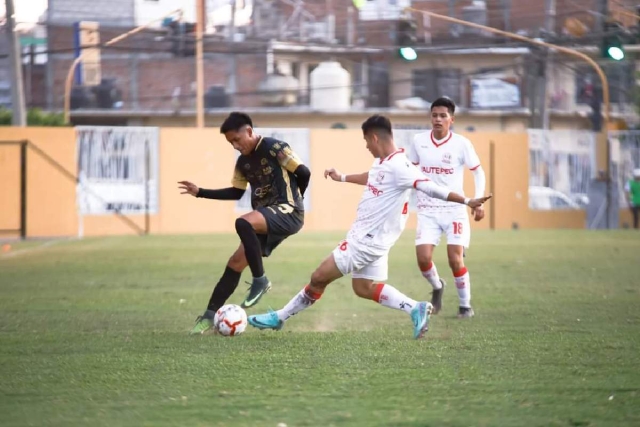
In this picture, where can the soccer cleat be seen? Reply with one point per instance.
(203, 323)
(259, 287)
(436, 297)
(268, 320)
(465, 313)
(420, 316)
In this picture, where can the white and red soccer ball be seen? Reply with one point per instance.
(230, 320)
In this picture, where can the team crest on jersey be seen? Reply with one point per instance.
(247, 166)
(380, 177)
(446, 158)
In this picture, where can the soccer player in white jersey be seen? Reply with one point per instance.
(442, 156)
(381, 217)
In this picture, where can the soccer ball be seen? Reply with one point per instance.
(230, 320)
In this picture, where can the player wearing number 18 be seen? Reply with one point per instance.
(278, 180)
(442, 156)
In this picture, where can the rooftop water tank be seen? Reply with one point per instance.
(279, 90)
(330, 87)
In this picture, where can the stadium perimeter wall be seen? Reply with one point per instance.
(205, 158)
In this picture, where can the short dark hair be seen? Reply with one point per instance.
(377, 123)
(235, 121)
(444, 102)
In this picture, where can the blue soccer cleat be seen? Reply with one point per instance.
(268, 320)
(420, 316)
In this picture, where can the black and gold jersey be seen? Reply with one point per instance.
(269, 169)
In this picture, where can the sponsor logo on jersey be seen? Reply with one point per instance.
(437, 170)
(262, 191)
(376, 191)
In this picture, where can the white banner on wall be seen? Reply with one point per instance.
(494, 93)
(561, 167)
(298, 140)
(117, 170)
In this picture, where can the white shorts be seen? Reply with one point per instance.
(455, 224)
(362, 262)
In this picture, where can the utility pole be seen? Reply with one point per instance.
(200, 25)
(547, 67)
(15, 59)
(506, 14)
(331, 22)
(602, 16)
(233, 63)
(550, 16)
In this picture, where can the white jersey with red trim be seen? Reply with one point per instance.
(443, 162)
(383, 209)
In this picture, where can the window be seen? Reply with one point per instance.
(431, 84)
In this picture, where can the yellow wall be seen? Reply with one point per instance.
(51, 209)
(205, 158)
(9, 194)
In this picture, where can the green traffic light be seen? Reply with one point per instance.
(408, 53)
(615, 52)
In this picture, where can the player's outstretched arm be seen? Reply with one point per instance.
(230, 193)
(432, 189)
(303, 175)
(359, 178)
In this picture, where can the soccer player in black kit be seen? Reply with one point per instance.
(278, 180)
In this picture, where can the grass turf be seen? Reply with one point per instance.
(94, 332)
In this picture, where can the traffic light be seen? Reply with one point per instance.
(406, 39)
(611, 47)
(182, 36)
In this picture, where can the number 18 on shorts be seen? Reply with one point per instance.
(455, 225)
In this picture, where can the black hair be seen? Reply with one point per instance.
(444, 102)
(377, 123)
(235, 121)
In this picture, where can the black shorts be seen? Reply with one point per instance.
(282, 222)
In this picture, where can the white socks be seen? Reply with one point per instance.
(431, 274)
(304, 299)
(389, 296)
(463, 284)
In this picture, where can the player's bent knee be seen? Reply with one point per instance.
(456, 263)
(237, 262)
(242, 224)
(363, 288)
(319, 279)
(424, 263)
(424, 256)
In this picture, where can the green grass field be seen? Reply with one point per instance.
(94, 333)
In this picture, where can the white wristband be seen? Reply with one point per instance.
(343, 177)
(466, 201)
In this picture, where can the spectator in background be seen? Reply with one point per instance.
(633, 196)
